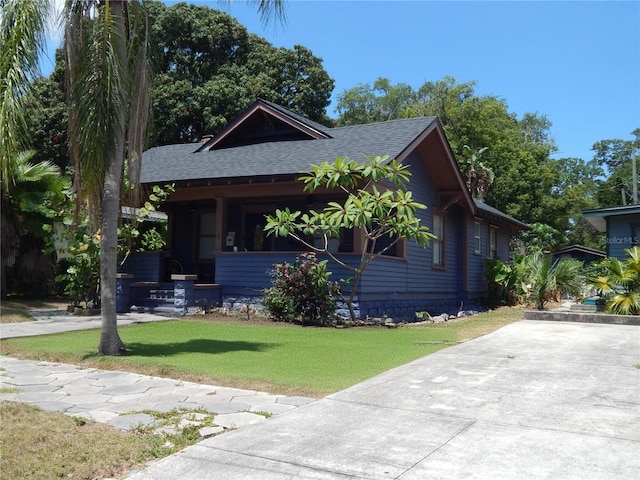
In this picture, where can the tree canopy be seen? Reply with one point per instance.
(209, 68)
(525, 181)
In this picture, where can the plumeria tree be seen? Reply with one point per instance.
(375, 203)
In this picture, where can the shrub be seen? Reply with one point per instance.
(301, 292)
(548, 280)
(534, 277)
(506, 281)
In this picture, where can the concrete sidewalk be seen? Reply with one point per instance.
(533, 400)
(52, 321)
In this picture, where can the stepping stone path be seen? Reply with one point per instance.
(131, 401)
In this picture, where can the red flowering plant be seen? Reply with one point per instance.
(302, 292)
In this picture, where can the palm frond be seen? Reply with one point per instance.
(270, 10)
(633, 259)
(99, 90)
(625, 303)
(22, 39)
(35, 172)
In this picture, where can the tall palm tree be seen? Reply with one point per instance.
(106, 48)
(478, 175)
(106, 45)
(109, 77)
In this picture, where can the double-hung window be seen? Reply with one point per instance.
(477, 238)
(493, 242)
(438, 243)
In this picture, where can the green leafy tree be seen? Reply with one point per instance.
(577, 189)
(35, 201)
(209, 68)
(379, 102)
(518, 149)
(616, 155)
(540, 238)
(47, 112)
(106, 47)
(375, 202)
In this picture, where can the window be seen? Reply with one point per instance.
(477, 239)
(493, 242)
(438, 242)
(207, 236)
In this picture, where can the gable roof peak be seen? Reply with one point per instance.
(265, 121)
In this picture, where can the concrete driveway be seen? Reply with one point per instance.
(533, 400)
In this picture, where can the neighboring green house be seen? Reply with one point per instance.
(621, 226)
(226, 185)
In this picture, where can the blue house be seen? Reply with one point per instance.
(226, 185)
(621, 226)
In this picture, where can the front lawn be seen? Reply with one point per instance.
(278, 358)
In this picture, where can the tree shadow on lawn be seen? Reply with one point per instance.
(199, 345)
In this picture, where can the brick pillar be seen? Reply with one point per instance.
(183, 296)
(123, 289)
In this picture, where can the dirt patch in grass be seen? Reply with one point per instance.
(40, 445)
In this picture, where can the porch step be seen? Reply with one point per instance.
(161, 294)
(162, 310)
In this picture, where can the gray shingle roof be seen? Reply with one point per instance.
(482, 207)
(179, 162)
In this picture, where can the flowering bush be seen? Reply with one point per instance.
(301, 292)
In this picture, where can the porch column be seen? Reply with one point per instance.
(183, 296)
(221, 223)
(123, 289)
(358, 241)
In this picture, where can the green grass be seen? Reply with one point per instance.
(272, 357)
(43, 445)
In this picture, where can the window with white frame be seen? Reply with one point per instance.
(477, 238)
(493, 242)
(438, 242)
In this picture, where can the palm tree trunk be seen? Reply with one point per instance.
(110, 341)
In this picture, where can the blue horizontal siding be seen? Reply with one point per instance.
(247, 270)
(145, 266)
(620, 234)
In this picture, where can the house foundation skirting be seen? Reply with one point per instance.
(380, 306)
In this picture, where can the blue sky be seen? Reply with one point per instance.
(577, 62)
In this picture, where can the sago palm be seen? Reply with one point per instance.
(548, 279)
(620, 283)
